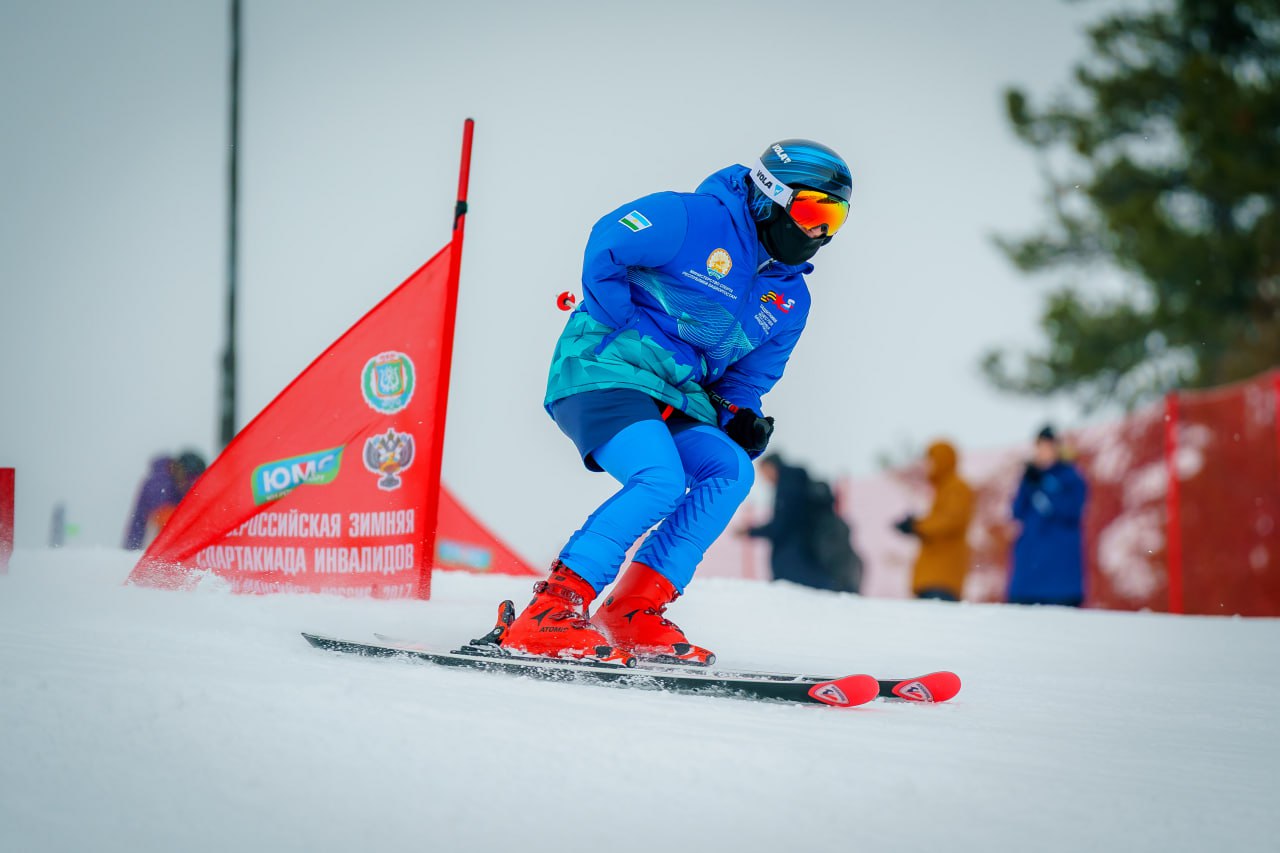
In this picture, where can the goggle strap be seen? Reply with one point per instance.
(772, 188)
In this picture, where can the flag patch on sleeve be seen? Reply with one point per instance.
(635, 221)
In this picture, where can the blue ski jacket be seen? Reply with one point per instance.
(680, 296)
(1048, 558)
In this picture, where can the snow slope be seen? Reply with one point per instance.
(139, 720)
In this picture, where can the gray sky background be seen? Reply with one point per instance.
(111, 220)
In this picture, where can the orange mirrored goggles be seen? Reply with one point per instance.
(811, 208)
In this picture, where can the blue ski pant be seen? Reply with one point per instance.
(692, 482)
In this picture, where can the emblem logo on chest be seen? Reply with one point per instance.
(719, 263)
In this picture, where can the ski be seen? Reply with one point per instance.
(933, 687)
(839, 691)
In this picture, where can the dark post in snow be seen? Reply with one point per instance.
(58, 526)
(227, 427)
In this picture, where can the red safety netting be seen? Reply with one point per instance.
(1125, 517)
(1227, 458)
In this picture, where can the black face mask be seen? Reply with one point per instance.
(786, 241)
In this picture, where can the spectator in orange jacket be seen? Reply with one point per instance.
(944, 548)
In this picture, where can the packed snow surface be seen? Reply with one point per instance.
(141, 720)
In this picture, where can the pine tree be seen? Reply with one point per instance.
(1163, 160)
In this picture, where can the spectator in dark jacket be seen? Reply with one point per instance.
(789, 532)
(1048, 564)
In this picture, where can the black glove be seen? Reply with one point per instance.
(749, 431)
(906, 525)
(1033, 473)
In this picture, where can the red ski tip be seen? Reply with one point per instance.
(846, 692)
(934, 687)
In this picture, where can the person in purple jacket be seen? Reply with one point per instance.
(164, 487)
(692, 305)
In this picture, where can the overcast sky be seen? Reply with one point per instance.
(113, 151)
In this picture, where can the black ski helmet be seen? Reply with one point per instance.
(782, 170)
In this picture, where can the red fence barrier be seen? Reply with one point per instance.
(1228, 499)
(1126, 518)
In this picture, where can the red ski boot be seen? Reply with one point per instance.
(632, 619)
(555, 623)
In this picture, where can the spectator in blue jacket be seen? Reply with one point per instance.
(1048, 558)
(692, 304)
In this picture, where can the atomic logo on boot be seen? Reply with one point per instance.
(543, 615)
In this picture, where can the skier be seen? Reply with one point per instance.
(684, 294)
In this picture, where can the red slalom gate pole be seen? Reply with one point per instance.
(1173, 510)
(432, 510)
(7, 478)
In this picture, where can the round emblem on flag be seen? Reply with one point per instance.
(387, 382)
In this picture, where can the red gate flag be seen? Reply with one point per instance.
(462, 542)
(332, 487)
(7, 478)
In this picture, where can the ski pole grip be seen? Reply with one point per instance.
(721, 403)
